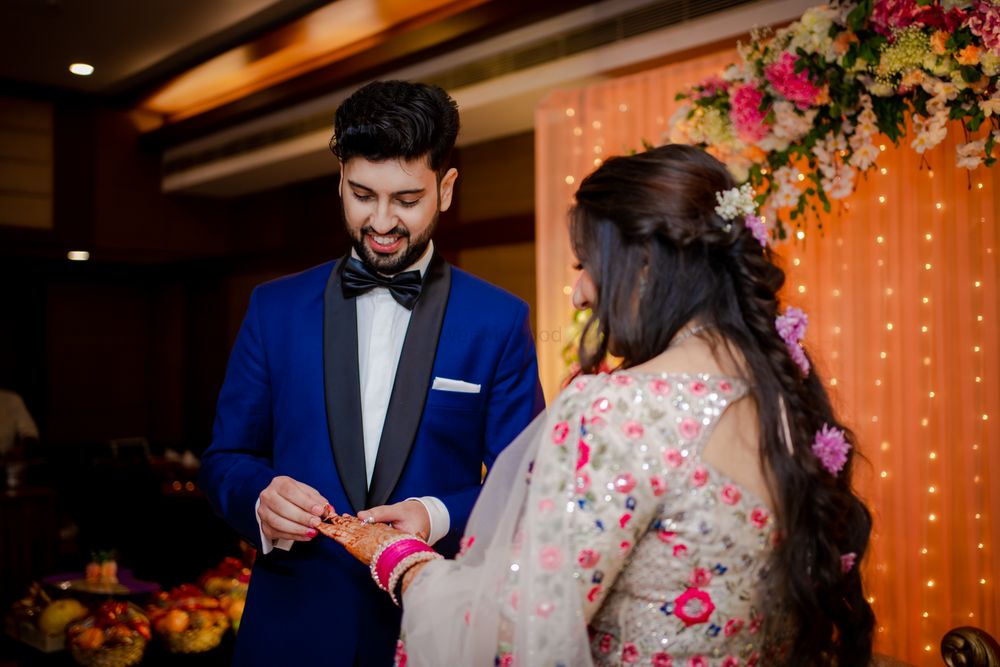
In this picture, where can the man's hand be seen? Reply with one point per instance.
(409, 516)
(291, 510)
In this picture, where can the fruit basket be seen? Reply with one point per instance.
(39, 621)
(228, 582)
(187, 620)
(113, 636)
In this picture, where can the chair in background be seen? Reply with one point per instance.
(970, 647)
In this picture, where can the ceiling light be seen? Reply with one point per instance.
(81, 69)
(78, 255)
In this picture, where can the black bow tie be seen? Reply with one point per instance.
(357, 279)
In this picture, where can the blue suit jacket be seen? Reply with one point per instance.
(290, 405)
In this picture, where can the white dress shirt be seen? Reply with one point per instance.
(382, 325)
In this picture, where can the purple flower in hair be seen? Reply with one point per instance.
(831, 448)
(757, 228)
(847, 561)
(792, 329)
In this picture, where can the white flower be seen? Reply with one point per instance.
(841, 185)
(970, 155)
(734, 73)
(789, 123)
(929, 134)
(736, 202)
(991, 106)
(990, 62)
(785, 197)
(939, 88)
(864, 156)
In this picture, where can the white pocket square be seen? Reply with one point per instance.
(447, 384)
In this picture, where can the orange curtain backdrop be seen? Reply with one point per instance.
(901, 290)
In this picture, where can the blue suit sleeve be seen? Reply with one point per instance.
(515, 399)
(237, 465)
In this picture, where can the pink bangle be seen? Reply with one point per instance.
(390, 555)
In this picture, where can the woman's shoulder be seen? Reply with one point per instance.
(590, 390)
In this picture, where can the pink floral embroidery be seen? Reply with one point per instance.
(700, 577)
(680, 550)
(580, 385)
(633, 429)
(831, 448)
(515, 600)
(400, 653)
(847, 561)
(629, 653)
(662, 660)
(660, 387)
(755, 622)
(546, 505)
(693, 606)
(666, 536)
(559, 433)
(588, 558)
(698, 388)
(582, 454)
(624, 483)
(625, 546)
(673, 458)
(464, 545)
(507, 660)
(690, 429)
(659, 485)
(625, 518)
(551, 558)
(759, 517)
(602, 405)
(621, 379)
(753, 659)
(730, 494)
(733, 627)
(697, 661)
(592, 595)
(725, 387)
(582, 483)
(596, 423)
(544, 609)
(699, 477)
(731, 661)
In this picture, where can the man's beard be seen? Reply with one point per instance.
(391, 264)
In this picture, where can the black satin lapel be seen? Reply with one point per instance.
(413, 379)
(343, 390)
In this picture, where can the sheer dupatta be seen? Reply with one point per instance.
(511, 596)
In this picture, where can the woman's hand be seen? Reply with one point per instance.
(360, 539)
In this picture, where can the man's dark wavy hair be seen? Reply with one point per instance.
(386, 120)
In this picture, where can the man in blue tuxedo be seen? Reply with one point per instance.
(378, 384)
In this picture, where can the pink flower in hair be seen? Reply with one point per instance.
(757, 228)
(847, 561)
(831, 448)
(792, 329)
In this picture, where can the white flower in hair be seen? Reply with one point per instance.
(736, 202)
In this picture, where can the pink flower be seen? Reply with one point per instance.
(582, 453)
(629, 653)
(847, 561)
(659, 386)
(559, 432)
(582, 483)
(624, 519)
(759, 517)
(588, 558)
(733, 627)
(507, 660)
(697, 661)
(400, 654)
(690, 428)
(680, 551)
(984, 22)
(662, 660)
(699, 477)
(624, 483)
(693, 606)
(700, 577)
(794, 86)
(831, 448)
(731, 661)
(605, 644)
(544, 609)
(550, 558)
(745, 113)
(593, 593)
(673, 458)
(666, 536)
(698, 388)
(711, 87)
(725, 387)
(730, 494)
(792, 329)
(757, 228)
(633, 429)
(659, 485)
(888, 16)
(601, 405)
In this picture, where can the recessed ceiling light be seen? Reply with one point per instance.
(78, 255)
(81, 69)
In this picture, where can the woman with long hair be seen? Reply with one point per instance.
(692, 507)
